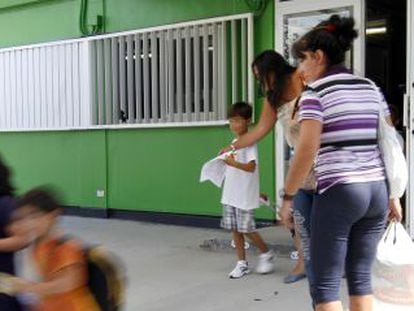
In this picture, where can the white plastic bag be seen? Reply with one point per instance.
(393, 273)
(394, 160)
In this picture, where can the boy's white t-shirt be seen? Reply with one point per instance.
(241, 188)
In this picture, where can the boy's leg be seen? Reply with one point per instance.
(239, 242)
(258, 241)
(264, 264)
(229, 222)
(246, 224)
(241, 268)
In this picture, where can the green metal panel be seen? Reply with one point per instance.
(141, 169)
(73, 162)
(138, 14)
(53, 20)
(43, 22)
(159, 169)
(13, 3)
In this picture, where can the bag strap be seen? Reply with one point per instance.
(392, 225)
(379, 99)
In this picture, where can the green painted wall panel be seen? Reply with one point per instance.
(158, 170)
(55, 20)
(46, 21)
(148, 13)
(73, 162)
(147, 170)
(12, 3)
(143, 169)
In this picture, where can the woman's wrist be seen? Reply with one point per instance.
(285, 195)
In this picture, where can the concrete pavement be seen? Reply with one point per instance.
(168, 270)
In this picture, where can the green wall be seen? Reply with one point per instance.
(72, 161)
(13, 3)
(140, 169)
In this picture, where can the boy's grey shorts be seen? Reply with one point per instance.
(237, 219)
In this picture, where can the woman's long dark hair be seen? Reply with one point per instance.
(272, 71)
(333, 36)
(6, 187)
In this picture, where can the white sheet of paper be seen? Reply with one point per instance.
(214, 170)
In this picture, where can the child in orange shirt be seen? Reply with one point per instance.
(62, 265)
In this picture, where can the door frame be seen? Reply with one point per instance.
(299, 6)
(408, 118)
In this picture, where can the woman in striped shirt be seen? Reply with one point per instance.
(339, 119)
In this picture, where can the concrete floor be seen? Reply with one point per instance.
(168, 270)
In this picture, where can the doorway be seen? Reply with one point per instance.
(386, 60)
(383, 53)
(386, 46)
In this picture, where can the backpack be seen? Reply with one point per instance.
(106, 280)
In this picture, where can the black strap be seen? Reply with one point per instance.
(330, 83)
(296, 107)
(350, 143)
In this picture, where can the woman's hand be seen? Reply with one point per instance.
(395, 208)
(286, 214)
(225, 150)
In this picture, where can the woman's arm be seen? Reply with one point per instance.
(389, 121)
(305, 154)
(394, 205)
(396, 213)
(266, 123)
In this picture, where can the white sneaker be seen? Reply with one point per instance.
(265, 264)
(246, 244)
(240, 270)
(294, 255)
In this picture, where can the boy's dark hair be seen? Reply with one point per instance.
(333, 36)
(274, 71)
(41, 198)
(241, 109)
(6, 188)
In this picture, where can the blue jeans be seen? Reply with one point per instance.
(347, 223)
(302, 209)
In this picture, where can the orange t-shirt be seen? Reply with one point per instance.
(51, 257)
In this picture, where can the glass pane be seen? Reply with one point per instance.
(296, 25)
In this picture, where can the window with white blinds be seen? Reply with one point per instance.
(44, 87)
(182, 74)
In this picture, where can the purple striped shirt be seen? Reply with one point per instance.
(348, 108)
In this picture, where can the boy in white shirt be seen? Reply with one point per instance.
(241, 196)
